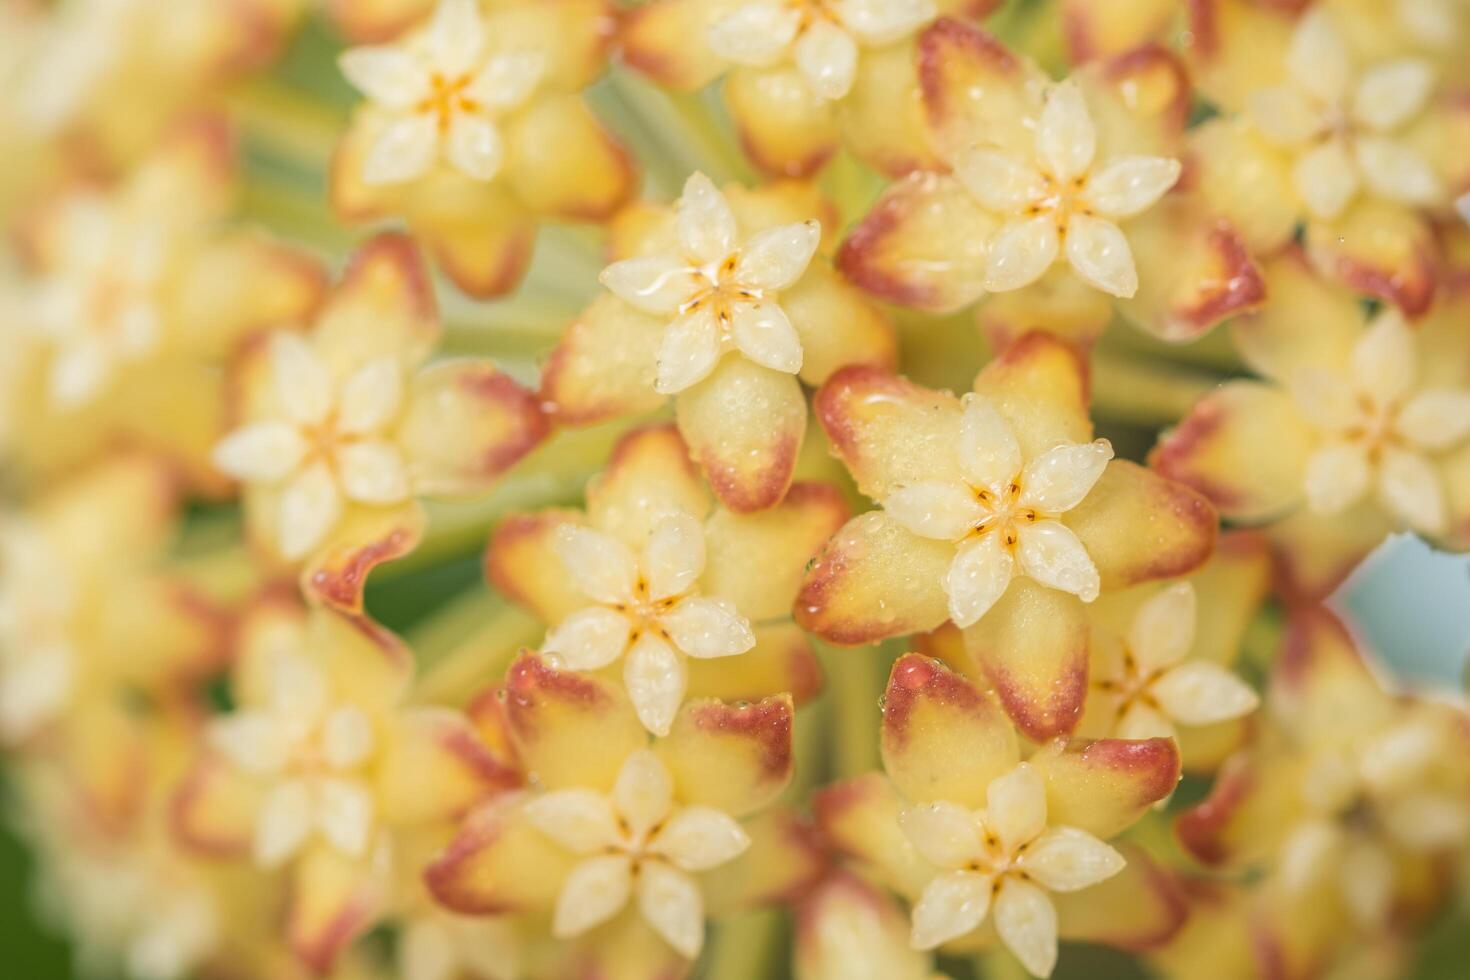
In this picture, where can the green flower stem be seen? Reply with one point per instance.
(675, 129)
(1214, 350)
(744, 946)
(854, 684)
(275, 115)
(1134, 390)
(467, 646)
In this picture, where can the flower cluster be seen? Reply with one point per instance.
(547, 489)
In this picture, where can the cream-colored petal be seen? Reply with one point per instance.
(594, 891)
(643, 793)
(580, 820)
(344, 814)
(763, 333)
(474, 147)
(455, 36)
(1392, 92)
(310, 506)
(1326, 399)
(1162, 630)
(302, 382)
(881, 22)
(1066, 140)
(705, 222)
(1409, 488)
(952, 905)
(370, 397)
(251, 741)
(1336, 477)
(1126, 185)
(1308, 854)
(657, 284)
(347, 737)
(1098, 252)
(1384, 358)
(387, 74)
(977, 578)
(78, 372)
(989, 455)
(507, 80)
(1001, 181)
(263, 452)
(372, 472)
(705, 627)
(1026, 922)
(946, 834)
(1015, 806)
(691, 348)
(1051, 554)
(1058, 479)
(755, 34)
(588, 639)
(1285, 115)
(600, 565)
(698, 838)
(674, 557)
(1427, 821)
(1367, 877)
(298, 694)
(655, 678)
(1393, 760)
(943, 511)
(1394, 170)
(1201, 693)
(1140, 721)
(1436, 419)
(776, 257)
(1066, 859)
(284, 822)
(1019, 252)
(826, 55)
(671, 902)
(1318, 58)
(402, 152)
(1326, 179)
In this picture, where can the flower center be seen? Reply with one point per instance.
(446, 98)
(1061, 199)
(724, 292)
(1132, 685)
(646, 611)
(1005, 513)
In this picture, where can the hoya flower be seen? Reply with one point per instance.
(1000, 513)
(343, 429)
(691, 601)
(721, 302)
(969, 832)
(474, 131)
(847, 929)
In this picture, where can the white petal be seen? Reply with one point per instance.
(674, 557)
(1059, 479)
(1130, 184)
(1383, 359)
(698, 838)
(643, 792)
(580, 820)
(1427, 821)
(1317, 58)
(250, 740)
(777, 257)
(655, 678)
(310, 506)
(1393, 760)
(1140, 721)
(989, 455)
(755, 33)
(1308, 853)
(943, 511)
(1066, 141)
(1019, 252)
(1409, 489)
(372, 472)
(298, 693)
(952, 905)
(1201, 693)
(1392, 91)
(1326, 179)
(1015, 806)
(402, 152)
(594, 891)
(1433, 23)
(1326, 399)
(691, 348)
(262, 452)
(705, 222)
(370, 397)
(474, 146)
(1099, 254)
(707, 627)
(1026, 922)
(763, 334)
(1163, 628)
(1367, 875)
(426, 950)
(601, 566)
(657, 284)
(1066, 859)
(946, 834)
(1336, 477)
(507, 80)
(284, 822)
(977, 578)
(670, 902)
(347, 737)
(881, 22)
(345, 814)
(826, 56)
(1436, 419)
(455, 36)
(78, 373)
(302, 382)
(1285, 115)
(387, 74)
(1394, 170)
(1002, 182)
(1050, 553)
(588, 639)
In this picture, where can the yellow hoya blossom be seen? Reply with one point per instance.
(847, 929)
